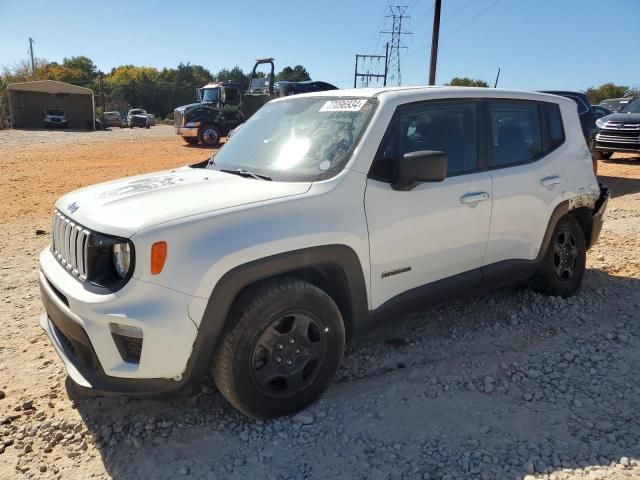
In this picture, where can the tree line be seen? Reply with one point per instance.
(594, 94)
(158, 91)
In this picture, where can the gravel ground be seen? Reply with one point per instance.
(505, 385)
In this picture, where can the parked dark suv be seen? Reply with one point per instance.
(587, 116)
(619, 132)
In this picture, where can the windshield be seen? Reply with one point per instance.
(298, 139)
(55, 112)
(632, 107)
(136, 112)
(210, 95)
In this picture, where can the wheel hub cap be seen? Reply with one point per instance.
(565, 254)
(287, 354)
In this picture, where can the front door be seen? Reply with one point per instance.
(436, 230)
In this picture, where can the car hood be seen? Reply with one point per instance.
(192, 106)
(124, 207)
(622, 117)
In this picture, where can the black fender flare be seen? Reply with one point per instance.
(234, 281)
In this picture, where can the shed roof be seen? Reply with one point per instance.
(49, 86)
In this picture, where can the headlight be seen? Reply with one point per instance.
(192, 124)
(600, 123)
(122, 258)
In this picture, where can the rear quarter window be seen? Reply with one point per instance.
(555, 128)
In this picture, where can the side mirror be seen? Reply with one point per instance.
(418, 167)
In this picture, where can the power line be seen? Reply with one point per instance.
(448, 18)
(473, 18)
(377, 31)
(398, 13)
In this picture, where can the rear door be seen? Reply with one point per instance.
(526, 164)
(436, 230)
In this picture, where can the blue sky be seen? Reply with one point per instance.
(539, 44)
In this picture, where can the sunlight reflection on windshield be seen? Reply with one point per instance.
(292, 153)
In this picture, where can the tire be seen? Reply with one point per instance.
(289, 316)
(564, 262)
(191, 140)
(209, 135)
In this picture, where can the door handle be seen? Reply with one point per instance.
(474, 197)
(550, 181)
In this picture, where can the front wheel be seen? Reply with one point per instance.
(209, 135)
(282, 349)
(564, 263)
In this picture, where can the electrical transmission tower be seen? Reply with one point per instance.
(397, 14)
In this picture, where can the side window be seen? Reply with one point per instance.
(515, 132)
(450, 126)
(232, 96)
(554, 124)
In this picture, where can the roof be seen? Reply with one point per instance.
(440, 92)
(49, 86)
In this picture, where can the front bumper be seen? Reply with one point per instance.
(617, 147)
(187, 131)
(77, 320)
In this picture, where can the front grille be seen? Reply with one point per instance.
(69, 244)
(177, 118)
(619, 132)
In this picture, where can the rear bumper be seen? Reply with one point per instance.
(598, 213)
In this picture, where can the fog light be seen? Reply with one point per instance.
(128, 341)
(125, 330)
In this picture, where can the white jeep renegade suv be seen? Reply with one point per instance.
(324, 214)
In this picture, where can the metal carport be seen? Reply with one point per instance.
(28, 101)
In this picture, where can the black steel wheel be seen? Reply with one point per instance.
(286, 356)
(281, 350)
(565, 253)
(563, 265)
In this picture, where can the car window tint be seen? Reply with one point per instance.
(449, 126)
(232, 96)
(515, 132)
(554, 124)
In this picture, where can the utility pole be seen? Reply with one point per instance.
(33, 63)
(367, 76)
(397, 15)
(434, 42)
(101, 81)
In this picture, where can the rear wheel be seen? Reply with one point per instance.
(209, 135)
(282, 349)
(564, 263)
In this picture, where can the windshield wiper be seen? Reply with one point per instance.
(243, 173)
